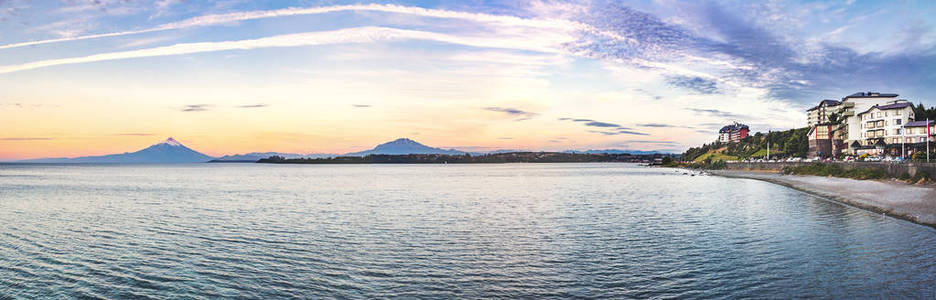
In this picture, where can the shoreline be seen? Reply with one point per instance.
(904, 201)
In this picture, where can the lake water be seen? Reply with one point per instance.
(441, 231)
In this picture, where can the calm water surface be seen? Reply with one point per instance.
(441, 231)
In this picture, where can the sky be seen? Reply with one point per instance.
(111, 76)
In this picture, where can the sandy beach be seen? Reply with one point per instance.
(914, 203)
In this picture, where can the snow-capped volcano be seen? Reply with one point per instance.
(168, 151)
(171, 142)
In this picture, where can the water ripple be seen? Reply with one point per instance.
(493, 231)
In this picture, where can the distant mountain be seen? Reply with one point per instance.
(168, 151)
(499, 151)
(405, 146)
(616, 151)
(255, 156)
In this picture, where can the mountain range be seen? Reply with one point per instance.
(172, 151)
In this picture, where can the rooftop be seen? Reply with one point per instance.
(918, 123)
(895, 105)
(825, 102)
(870, 95)
(733, 127)
(888, 106)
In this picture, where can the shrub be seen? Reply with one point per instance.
(821, 169)
(905, 176)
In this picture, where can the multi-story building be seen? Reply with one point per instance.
(915, 136)
(859, 123)
(733, 133)
(821, 113)
(860, 102)
(825, 121)
(882, 125)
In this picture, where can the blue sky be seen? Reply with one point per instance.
(334, 76)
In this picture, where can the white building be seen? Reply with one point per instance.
(884, 123)
(865, 122)
(860, 102)
(915, 132)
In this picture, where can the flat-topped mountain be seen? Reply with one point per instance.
(168, 151)
(405, 146)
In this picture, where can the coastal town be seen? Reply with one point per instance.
(867, 123)
(864, 126)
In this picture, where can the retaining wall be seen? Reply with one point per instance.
(892, 169)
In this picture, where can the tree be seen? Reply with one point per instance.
(920, 112)
(834, 119)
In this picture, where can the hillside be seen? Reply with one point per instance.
(789, 143)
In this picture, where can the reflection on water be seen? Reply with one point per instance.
(463, 231)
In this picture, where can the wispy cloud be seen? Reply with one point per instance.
(217, 19)
(652, 142)
(361, 105)
(657, 125)
(601, 124)
(619, 132)
(522, 115)
(261, 105)
(718, 113)
(576, 120)
(632, 132)
(696, 84)
(134, 134)
(25, 139)
(367, 34)
(607, 128)
(195, 107)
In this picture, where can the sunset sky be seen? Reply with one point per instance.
(110, 76)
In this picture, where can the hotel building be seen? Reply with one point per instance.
(733, 133)
(860, 123)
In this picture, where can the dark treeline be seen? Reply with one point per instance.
(513, 157)
(789, 143)
(921, 113)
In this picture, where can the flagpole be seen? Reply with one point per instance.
(768, 145)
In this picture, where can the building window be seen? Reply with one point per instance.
(898, 121)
